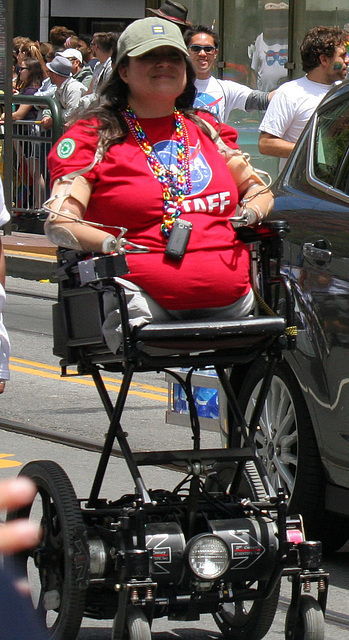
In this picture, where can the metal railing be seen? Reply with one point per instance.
(29, 177)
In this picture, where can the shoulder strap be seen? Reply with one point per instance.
(218, 140)
(79, 172)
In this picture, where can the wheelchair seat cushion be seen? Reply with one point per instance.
(184, 336)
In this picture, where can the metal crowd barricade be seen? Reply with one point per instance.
(29, 178)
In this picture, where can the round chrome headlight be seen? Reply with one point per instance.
(208, 556)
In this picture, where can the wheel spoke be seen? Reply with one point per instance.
(285, 476)
(248, 619)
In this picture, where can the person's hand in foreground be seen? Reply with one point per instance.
(20, 534)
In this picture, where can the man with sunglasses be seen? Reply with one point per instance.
(219, 96)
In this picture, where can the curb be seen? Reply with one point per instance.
(29, 256)
(30, 267)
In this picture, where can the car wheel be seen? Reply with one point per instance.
(286, 443)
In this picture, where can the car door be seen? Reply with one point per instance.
(313, 194)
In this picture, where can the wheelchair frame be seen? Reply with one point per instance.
(118, 570)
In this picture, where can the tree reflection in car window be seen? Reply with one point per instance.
(331, 147)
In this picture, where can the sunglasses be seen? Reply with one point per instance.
(23, 68)
(196, 48)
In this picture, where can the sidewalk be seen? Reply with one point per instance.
(29, 256)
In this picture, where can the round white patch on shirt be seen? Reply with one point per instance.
(66, 148)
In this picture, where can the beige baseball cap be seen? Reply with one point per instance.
(147, 34)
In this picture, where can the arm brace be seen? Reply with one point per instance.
(63, 188)
(60, 220)
(257, 100)
(256, 195)
(257, 202)
(241, 170)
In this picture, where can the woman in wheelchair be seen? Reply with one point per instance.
(145, 163)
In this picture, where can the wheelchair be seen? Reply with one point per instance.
(221, 540)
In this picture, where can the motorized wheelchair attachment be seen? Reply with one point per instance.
(221, 540)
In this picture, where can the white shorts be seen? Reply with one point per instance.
(143, 309)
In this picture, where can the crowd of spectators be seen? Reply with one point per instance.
(69, 68)
(72, 65)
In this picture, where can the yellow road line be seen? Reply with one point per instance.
(41, 365)
(8, 463)
(89, 383)
(38, 256)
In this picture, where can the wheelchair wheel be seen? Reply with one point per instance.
(310, 621)
(247, 620)
(287, 445)
(57, 570)
(222, 475)
(138, 627)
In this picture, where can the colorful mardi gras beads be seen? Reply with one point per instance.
(174, 187)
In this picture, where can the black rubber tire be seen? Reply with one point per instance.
(137, 624)
(287, 445)
(222, 475)
(63, 550)
(255, 622)
(310, 624)
(248, 620)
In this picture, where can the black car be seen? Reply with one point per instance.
(304, 433)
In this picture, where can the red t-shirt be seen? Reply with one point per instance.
(214, 271)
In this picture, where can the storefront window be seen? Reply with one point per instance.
(253, 52)
(205, 12)
(255, 45)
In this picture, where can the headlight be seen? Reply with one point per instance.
(208, 556)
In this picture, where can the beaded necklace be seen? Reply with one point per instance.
(174, 187)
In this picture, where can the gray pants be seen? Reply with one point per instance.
(142, 309)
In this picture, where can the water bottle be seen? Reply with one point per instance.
(180, 404)
(206, 401)
(213, 405)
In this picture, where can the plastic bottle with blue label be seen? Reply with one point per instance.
(206, 401)
(180, 403)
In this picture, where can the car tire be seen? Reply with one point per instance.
(287, 444)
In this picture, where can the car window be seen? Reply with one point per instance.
(331, 146)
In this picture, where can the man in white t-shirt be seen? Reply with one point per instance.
(219, 96)
(324, 60)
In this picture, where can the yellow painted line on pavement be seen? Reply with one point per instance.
(28, 254)
(88, 383)
(8, 463)
(49, 367)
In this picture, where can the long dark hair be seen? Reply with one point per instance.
(114, 99)
(35, 73)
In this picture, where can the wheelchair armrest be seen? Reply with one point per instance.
(101, 267)
(90, 267)
(268, 229)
